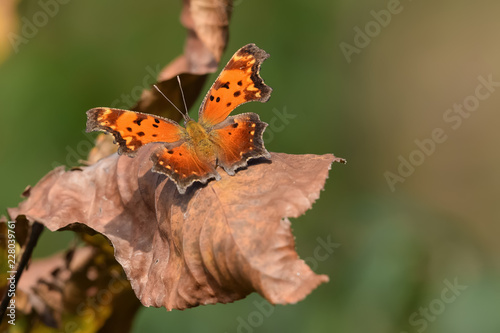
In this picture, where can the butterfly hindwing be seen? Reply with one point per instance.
(183, 165)
(238, 83)
(133, 130)
(238, 139)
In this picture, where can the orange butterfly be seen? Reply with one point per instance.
(192, 154)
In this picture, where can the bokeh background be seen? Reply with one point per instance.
(397, 249)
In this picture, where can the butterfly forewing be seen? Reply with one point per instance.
(238, 83)
(133, 130)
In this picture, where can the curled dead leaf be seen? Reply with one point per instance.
(216, 243)
(211, 22)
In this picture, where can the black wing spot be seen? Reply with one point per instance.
(138, 121)
(154, 125)
(129, 129)
(157, 121)
(211, 97)
(228, 104)
(155, 135)
(229, 133)
(225, 85)
(237, 93)
(140, 134)
(218, 99)
(235, 125)
(240, 83)
(180, 154)
(170, 151)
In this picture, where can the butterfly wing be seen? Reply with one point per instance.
(238, 83)
(238, 139)
(183, 165)
(133, 130)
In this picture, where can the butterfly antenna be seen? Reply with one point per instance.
(186, 117)
(182, 93)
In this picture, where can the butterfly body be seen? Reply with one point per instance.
(191, 154)
(199, 138)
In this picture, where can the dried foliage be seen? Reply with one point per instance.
(216, 243)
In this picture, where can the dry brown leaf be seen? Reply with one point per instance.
(216, 243)
(211, 22)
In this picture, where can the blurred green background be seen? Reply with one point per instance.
(400, 248)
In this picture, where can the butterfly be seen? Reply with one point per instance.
(192, 153)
